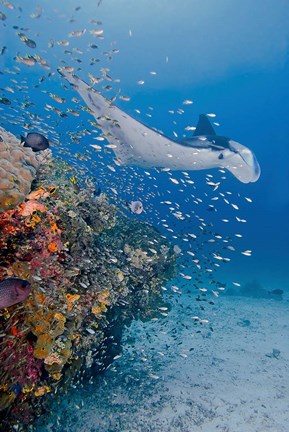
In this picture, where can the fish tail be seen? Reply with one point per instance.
(22, 140)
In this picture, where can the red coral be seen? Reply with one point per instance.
(17, 359)
(33, 369)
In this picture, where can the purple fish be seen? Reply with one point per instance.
(12, 291)
(35, 141)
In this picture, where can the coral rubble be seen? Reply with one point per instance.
(92, 270)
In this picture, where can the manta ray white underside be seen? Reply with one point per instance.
(138, 144)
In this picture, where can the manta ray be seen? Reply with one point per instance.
(134, 143)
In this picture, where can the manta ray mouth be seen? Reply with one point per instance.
(243, 163)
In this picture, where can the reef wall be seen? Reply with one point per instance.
(91, 269)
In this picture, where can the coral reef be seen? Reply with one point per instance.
(92, 270)
(18, 167)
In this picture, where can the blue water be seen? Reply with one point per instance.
(229, 57)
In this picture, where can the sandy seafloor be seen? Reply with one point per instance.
(227, 380)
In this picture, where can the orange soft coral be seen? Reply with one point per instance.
(31, 206)
(52, 247)
(42, 390)
(71, 299)
(38, 193)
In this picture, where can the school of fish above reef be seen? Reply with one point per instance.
(89, 271)
(106, 193)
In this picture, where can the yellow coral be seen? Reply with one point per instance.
(55, 361)
(56, 376)
(77, 338)
(21, 269)
(96, 310)
(27, 388)
(54, 368)
(40, 327)
(102, 299)
(43, 346)
(57, 329)
(42, 390)
(39, 298)
(120, 276)
(65, 354)
(53, 358)
(71, 299)
(102, 296)
(32, 220)
(39, 320)
(47, 322)
(60, 317)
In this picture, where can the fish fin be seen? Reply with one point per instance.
(22, 139)
(25, 144)
(204, 126)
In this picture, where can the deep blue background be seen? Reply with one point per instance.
(229, 57)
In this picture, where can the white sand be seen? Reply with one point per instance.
(230, 374)
(226, 382)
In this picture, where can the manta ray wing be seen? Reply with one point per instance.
(136, 144)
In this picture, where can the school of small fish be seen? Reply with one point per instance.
(203, 219)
